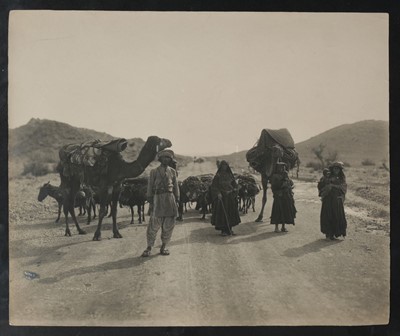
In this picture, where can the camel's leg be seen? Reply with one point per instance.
(264, 181)
(132, 213)
(67, 230)
(139, 207)
(264, 201)
(102, 213)
(143, 219)
(59, 211)
(94, 209)
(114, 208)
(72, 212)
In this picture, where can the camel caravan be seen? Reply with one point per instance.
(95, 173)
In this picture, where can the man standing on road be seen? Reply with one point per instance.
(163, 196)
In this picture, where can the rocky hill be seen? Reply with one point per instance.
(354, 143)
(40, 140)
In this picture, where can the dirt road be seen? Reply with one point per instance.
(257, 277)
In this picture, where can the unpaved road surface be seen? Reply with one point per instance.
(257, 277)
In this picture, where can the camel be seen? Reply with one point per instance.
(107, 179)
(272, 146)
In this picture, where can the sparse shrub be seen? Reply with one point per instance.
(44, 156)
(368, 162)
(314, 165)
(332, 157)
(36, 169)
(384, 166)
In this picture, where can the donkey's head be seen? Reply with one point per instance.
(44, 191)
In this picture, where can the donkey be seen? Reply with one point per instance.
(49, 190)
(83, 198)
(134, 193)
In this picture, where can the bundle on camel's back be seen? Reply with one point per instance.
(273, 146)
(100, 164)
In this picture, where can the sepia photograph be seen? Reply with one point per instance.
(198, 168)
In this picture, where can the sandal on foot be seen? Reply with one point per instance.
(146, 253)
(164, 252)
(224, 234)
(284, 230)
(276, 230)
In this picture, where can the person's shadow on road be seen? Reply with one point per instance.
(244, 233)
(126, 263)
(312, 247)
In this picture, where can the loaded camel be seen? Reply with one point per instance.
(273, 146)
(106, 174)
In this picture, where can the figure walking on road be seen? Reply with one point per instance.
(163, 196)
(225, 212)
(283, 207)
(332, 191)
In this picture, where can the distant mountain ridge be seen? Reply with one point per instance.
(354, 143)
(40, 139)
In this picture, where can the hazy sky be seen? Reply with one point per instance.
(210, 82)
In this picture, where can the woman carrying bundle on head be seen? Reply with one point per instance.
(332, 190)
(283, 208)
(225, 213)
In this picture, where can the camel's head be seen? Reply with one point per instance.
(158, 144)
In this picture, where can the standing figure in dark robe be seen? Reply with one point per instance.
(225, 212)
(283, 208)
(332, 192)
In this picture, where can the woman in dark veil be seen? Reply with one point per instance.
(333, 191)
(225, 213)
(283, 208)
